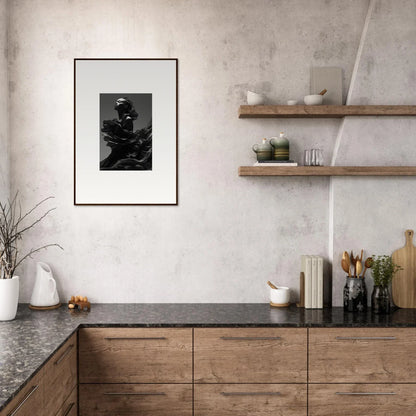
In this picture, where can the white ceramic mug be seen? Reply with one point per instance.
(281, 295)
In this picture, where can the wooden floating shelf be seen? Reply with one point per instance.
(327, 171)
(323, 111)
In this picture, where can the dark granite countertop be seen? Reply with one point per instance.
(29, 341)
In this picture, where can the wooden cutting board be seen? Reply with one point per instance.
(404, 281)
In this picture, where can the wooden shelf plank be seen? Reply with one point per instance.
(327, 171)
(323, 111)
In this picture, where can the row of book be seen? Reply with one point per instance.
(312, 269)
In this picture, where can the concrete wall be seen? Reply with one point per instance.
(4, 94)
(229, 235)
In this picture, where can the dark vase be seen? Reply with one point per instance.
(355, 295)
(380, 300)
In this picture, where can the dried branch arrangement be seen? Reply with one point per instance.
(13, 224)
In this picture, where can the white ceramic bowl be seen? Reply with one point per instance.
(254, 99)
(314, 99)
(280, 295)
(292, 102)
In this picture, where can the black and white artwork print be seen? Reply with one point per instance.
(125, 131)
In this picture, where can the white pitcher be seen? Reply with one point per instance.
(44, 292)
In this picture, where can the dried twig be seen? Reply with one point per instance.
(12, 229)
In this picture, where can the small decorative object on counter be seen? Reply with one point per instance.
(383, 269)
(280, 147)
(263, 150)
(44, 294)
(292, 102)
(355, 295)
(279, 296)
(79, 302)
(355, 290)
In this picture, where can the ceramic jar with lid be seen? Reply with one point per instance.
(263, 150)
(280, 147)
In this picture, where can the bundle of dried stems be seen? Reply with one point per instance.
(13, 224)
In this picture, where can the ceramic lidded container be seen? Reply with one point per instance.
(263, 150)
(280, 147)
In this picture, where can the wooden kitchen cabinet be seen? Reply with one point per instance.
(135, 355)
(362, 355)
(250, 355)
(70, 406)
(60, 375)
(362, 399)
(29, 401)
(135, 399)
(250, 399)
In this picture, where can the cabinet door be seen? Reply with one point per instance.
(29, 401)
(135, 399)
(362, 399)
(70, 406)
(250, 399)
(135, 355)
(60, 376)
(362, 355)
(250, 355)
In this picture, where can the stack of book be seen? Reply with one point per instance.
(312, 269)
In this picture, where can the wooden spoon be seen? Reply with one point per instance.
(271, 285)
(368, 263)
(346, 266)
(359, 267)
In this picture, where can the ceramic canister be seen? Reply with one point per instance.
(280, 147)
(263, 151)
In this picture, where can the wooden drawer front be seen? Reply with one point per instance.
(135, 355)
(135, 399)
(250, 355)
(29, 401)
(250, 399)
(362, 355)
(60, 376)
(362, 399)
(70, 406)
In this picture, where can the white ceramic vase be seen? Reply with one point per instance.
(9, 298)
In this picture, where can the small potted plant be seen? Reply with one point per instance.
(13, 225)
(383, 270)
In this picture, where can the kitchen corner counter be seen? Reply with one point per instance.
(31, 339)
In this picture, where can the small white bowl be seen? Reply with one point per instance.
(292, 102)
(254, 99)
(280, 296)
(315, 99)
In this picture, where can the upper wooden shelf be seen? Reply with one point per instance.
(323, 111)
(327, 171)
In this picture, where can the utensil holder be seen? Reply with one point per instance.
(355, 295)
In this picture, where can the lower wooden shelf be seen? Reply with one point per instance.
(327, 171)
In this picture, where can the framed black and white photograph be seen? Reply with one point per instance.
(126, 132)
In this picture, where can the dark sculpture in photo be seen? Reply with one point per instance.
(130, 150)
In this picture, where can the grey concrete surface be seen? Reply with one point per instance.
(229, 235)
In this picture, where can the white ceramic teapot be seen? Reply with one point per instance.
(44, 293)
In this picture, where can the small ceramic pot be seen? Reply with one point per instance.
(280, 296)
(254, 99)
(280, 147)
(314, 99)
(263, 150)
(355, 295)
